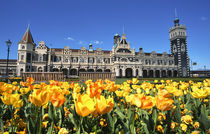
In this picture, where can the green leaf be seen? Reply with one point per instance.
(145, 128)
(204, 121)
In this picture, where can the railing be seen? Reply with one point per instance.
(83, 76)
(43, 76)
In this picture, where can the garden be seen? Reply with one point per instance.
(127, 106)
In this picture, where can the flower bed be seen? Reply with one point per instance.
(105, 107)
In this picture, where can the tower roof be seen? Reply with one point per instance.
(27, 37)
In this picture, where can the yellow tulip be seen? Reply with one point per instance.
(200, 93)
(39, 97)
(12, 99)
(103, 105)
(135, 80)
(24, 90)
(84, 105)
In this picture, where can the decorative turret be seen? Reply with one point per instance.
(90, 47)
(116, 39)
(26, 48)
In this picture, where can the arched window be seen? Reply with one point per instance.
(183, 47)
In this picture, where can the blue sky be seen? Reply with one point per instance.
(76, 23)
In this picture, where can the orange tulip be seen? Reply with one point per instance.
(57, 99)
(164, 93)
(147, 102)
(103, 105)
(164, 104)
(136, 100)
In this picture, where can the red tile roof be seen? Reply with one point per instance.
(27, 37)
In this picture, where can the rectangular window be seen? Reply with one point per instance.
(40, 58)
(22, 57)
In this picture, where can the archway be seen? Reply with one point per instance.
(163, 73)
(144, 73)
(21, 70)
(40, 69)
(99, 70)
(175, 73)
(90, 70)
(157, 73)
(73, 72)
(65, 72)
(107, 70)
(169, 73)
(151, 73)
(128, 73)
(55, 70)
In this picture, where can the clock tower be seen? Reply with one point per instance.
(178, 41)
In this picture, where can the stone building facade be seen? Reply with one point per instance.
(12, 67)
(121, 59)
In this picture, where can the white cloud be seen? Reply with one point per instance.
(80, 42)
(70, 38)
(203, 18)
(98, 42)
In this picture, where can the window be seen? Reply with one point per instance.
(40, 58)
(183, 47)
(22, 57)
(23, 47)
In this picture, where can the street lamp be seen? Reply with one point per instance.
(9, 43)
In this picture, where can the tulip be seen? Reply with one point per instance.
(136, 100)
(200, 93)
(57, 99)
(147, 102)
(30, 80)
(135, 80)
(10, 99)
(84, 105)
(24, 90)
(164, 104)
(103, 105)
(39, 97)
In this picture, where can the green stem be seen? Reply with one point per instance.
(12, 115)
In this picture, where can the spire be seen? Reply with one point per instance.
(27, 37)
(176, 20)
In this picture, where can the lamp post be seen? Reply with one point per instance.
(9, 43)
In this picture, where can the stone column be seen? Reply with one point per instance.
(123, 72)
(117, 71)
(134, 72)
(140, 72)
(154, 74)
